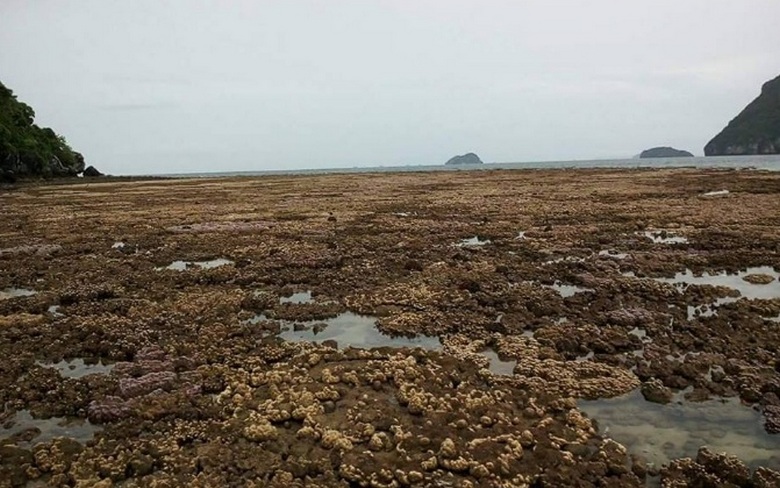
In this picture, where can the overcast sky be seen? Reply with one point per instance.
(150, 86)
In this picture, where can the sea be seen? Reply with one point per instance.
(763, 162)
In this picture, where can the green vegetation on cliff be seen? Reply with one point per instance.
(756, 130)
(28, 150)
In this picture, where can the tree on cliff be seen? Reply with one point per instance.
(29, 150)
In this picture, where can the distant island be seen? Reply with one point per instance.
(468, 158)
(665, 152)
(27, 150)
(756, 130)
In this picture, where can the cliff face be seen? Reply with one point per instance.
(665, 152)
(756, 130)
(28, 150)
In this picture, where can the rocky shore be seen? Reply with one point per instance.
(221, 332)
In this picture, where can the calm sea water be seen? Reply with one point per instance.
(771, 163)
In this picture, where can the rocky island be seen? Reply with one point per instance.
(468, 158)
(27, 150)
(664, 152)
(756, 130)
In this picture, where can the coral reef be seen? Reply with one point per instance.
(565, 287)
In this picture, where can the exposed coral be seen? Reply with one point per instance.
(203, 392)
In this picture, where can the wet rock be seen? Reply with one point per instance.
(614, 456)
(630, 317)
(726, 467)
(92, 172)
(109, 409)
(140, 465)
(14, 463)
(134, 387)
(759, 279)
(639, 466)
(718, 375)
(709, 469)
(751, 395)
(772, 418)
(655, 391)
(770, 398)
(765, 478)
(685, 472)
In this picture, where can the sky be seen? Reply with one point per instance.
(176, 86)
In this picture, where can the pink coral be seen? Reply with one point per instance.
(135, 387)
(108, 409)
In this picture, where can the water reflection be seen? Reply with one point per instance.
(661, 433)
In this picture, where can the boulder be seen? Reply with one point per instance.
(655, 391)
(92, 172)
(7, 176)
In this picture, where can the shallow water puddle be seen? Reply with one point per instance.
(565, 259)
(765, 287)
(613, 254)
(660, 433)
(584, 357)
(352, 330)
(9, 293)
(639, 332)
(664, 237)
(681, 357)
(297, 298)
(498, 365)
(183, 265)
(717, 193)
(473, 241)
(734, 281)
(568, 290)
(77, 368)
(708, 309)
(43, 430)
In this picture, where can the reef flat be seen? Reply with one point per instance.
(499, 328)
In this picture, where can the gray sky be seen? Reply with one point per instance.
(150, 86)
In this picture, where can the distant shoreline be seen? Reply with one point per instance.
(767, 163)
(770, 162)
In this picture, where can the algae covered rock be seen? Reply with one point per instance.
(655, 391)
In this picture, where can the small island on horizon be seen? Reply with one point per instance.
(468, 158)
(664, 152)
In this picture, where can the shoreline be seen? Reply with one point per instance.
(281, 174)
